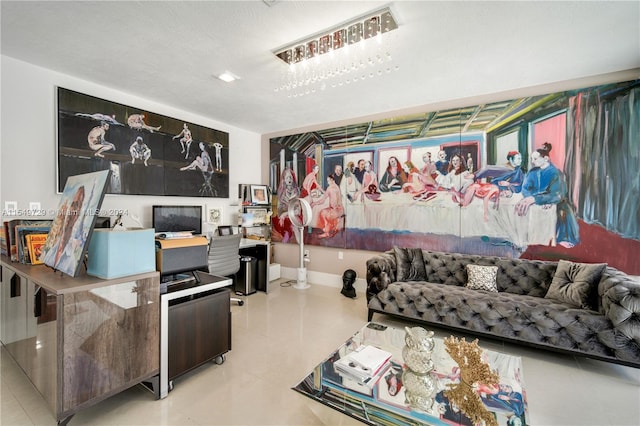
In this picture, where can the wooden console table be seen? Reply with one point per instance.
(80, 340)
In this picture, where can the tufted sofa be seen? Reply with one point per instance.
(518, 311)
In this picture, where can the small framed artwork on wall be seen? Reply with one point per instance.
(214, 215)
(259, 195)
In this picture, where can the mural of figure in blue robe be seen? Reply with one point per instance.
(508, 178)
(545, 185)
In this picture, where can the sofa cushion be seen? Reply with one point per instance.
(409, 264)
(482, 278)
(576, 283)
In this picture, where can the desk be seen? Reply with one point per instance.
(261, 250)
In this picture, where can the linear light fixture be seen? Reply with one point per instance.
(362, 28)
(227, 77)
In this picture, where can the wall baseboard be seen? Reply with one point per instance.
(321, 278)
(274, 271)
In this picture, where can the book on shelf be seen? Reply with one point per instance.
(10, 228)
(35, 242)
(364, 363)
(22, 231)
(3, 239)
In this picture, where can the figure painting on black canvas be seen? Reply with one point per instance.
(148, 153)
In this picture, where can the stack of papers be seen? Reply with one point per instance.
(171, 235)
(364, 363)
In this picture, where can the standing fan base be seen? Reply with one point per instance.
(302, 279)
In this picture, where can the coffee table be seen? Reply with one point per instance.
(382, 403)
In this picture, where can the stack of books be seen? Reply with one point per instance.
(364, 364)
(24, 239)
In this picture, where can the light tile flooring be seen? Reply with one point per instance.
(279, 337)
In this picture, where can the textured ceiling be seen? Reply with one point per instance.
(169, 51)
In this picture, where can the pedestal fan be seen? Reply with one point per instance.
(300, 216)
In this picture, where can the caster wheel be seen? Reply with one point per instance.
(240, 303)
(220, 360)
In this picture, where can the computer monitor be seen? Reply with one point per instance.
(177, 219)
(103, 222)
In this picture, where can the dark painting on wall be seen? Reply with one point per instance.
(548, 177)
(147, 153)
(71, 229)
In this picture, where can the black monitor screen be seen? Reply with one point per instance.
(177, 219)
(103, 222)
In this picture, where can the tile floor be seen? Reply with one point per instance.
(279, 337)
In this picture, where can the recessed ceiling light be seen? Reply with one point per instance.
(227, 77)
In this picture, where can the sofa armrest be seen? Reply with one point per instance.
(621, 306)
(381, 271)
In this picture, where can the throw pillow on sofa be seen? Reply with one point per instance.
(576, 283)
(409, 264)
(482, 278)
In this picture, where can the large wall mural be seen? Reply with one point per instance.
(544, 177)
(147, 153)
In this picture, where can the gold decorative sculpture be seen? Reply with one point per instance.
(473, 370)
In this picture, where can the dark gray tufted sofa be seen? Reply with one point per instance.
(519, 312)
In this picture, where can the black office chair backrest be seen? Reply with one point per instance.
(224, 254)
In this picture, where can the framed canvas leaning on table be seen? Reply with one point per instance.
(71, 230)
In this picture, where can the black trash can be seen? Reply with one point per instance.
(247, 276)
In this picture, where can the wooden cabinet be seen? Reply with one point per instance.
(195, 318)
(80, 340)
(199, 330)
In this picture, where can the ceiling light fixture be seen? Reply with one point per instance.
(330, 59)
(227, 77)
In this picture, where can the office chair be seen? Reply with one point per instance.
(224, 258)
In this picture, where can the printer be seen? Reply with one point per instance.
(179, 255)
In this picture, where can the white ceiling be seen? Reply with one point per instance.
(169, 51)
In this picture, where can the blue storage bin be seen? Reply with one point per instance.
(114, 254)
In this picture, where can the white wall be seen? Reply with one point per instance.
(28, 143)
